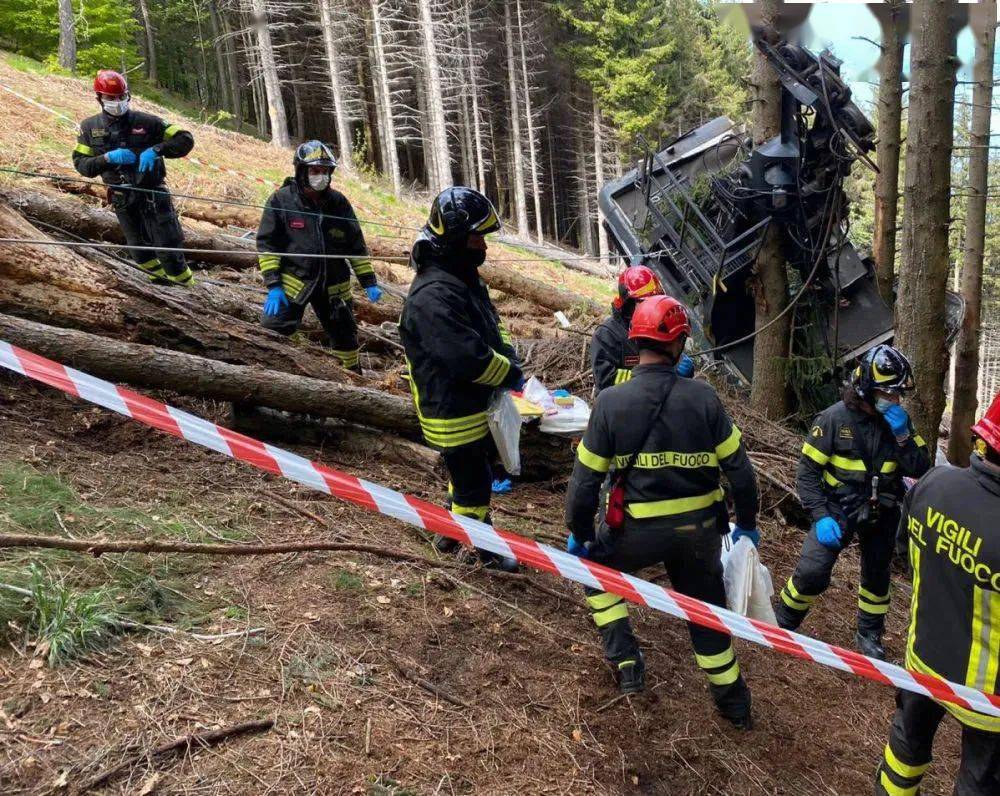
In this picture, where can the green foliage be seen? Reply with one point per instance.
(344, 580)
(655, 67)
(105, 32)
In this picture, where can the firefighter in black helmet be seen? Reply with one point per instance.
(850, 479)
(306, 216)
(457, 349)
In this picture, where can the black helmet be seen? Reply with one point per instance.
(455, 214)
(314, 153)
(883, 368)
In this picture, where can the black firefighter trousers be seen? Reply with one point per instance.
(691, 553)
(812, 574)
(908, 753)
(470, 483)
(335, 315)
(149, 219)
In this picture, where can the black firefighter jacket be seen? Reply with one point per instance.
(133, 130)
(832, 478)
(612, 354)
(458, 353)
(292, 223)
(951, 516)
(677, 475)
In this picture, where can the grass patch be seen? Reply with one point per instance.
(345, 580)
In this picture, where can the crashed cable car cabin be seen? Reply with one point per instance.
(697, 212)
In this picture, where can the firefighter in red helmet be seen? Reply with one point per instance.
(612, 354)
(126, 148)
(664, 441)
(950, 517)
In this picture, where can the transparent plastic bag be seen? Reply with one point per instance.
(748, 582)
(505, 426)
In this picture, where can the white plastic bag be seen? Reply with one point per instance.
(748, 582)
(505, 426)
(536, 392)
(568, 421)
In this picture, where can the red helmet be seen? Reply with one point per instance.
(636, 282)
(110, 82)
(661, 318)
(988, 427)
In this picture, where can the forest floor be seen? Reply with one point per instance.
(381, 676)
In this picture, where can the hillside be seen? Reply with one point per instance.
(392, 671)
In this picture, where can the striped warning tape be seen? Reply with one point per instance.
(377, 498)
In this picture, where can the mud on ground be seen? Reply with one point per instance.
(532, 710)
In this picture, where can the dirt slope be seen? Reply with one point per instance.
(539, 713)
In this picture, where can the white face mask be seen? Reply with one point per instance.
(115, 107)
(319, 182)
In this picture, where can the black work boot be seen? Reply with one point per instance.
(495, 561)
(734, 703)
(631, 675)
(445, 544)
(787, 618)
(869, 643)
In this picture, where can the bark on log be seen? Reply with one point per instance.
(506, 280)
(101, 224)
(57, 286)
(158, 368)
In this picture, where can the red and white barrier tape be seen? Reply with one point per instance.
(233, 172)
(469, 531)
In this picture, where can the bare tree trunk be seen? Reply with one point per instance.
(532, 149)
(476, 117)
(520, 210)
(964, 401)
(586, 236)
(438, 130)
(147, 25)
(768, 391)
(383, 93)
(923, 275)
(272, 83)
(893, 18)
(232, 67)
(336, 84)
(218, 46)
(67, 36)
(602, 233)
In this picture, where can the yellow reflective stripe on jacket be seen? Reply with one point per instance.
(729, 445)
(815, 454)
(451, 439)
(919, 441)
(599, 464)
(293, 285)
(362, 267)
(970, 718)
(495, 372)
(667, 508)
(904, 770)
(656, 459)
(341, 290)
(83, 149)
(831, 480)
(268, 262)
(843, 463)
(505, 335)
(622, 375)
(171, 131)
(984, 650)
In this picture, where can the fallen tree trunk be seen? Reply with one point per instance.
(159, 368)
(57, 286)
(500, 277)
(100, 224)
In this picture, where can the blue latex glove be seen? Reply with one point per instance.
(750, 533)
(276, 301)
(147, 159)
(374, 293)
(828, 532)
(502, 486)
(574, 548)
(120, 157)
(685, 367)
(898, 420)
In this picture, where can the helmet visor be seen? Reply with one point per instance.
(316, 153)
